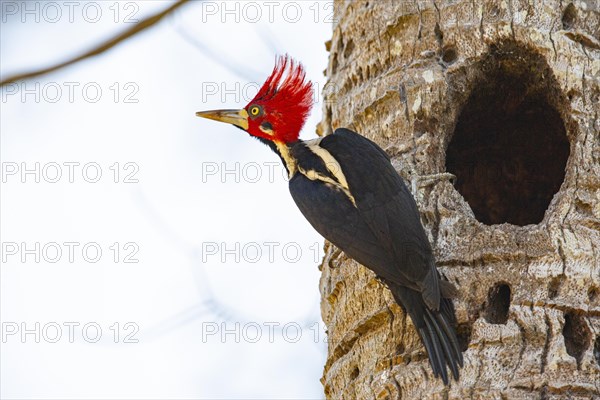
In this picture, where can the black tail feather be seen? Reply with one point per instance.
(450, 333)
(445, 343)
(438, 358)
(436, 331)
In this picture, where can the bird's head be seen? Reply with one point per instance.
(279, 109)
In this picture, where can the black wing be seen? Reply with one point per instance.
(383, 231)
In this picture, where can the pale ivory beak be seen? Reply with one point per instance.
(235, 117)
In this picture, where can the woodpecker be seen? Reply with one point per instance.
(348, 190)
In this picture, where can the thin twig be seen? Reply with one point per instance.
(137, 28)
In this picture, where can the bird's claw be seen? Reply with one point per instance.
(420, 181)
(334, 255)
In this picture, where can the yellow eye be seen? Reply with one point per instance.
(254, 111)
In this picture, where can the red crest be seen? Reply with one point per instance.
(285, 100)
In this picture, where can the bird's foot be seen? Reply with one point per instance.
(420, 181)
(335, 254)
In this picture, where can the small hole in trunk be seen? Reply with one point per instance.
(498, 303)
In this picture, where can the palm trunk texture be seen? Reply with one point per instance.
(505, 95)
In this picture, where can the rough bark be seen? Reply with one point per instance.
(505, 95)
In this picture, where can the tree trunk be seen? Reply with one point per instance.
(505, 95)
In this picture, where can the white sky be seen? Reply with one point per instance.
(178, 219)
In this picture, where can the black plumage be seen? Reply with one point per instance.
(376, 222)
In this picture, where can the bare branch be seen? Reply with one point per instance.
(137, 28)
